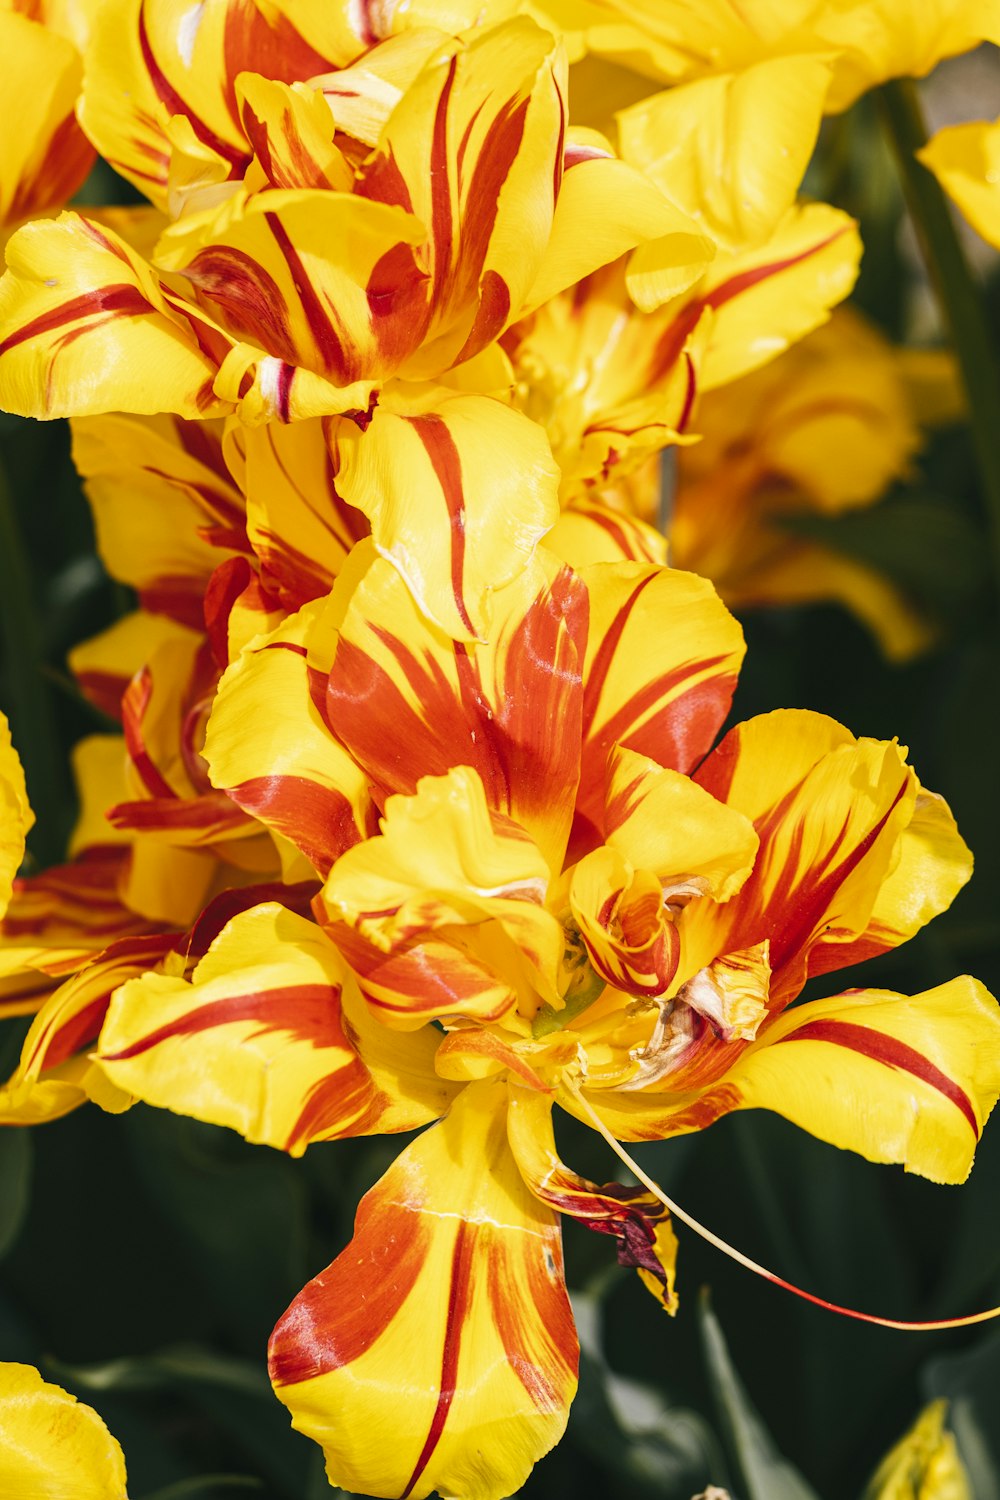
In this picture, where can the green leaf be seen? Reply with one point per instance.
(169, 1369)
(16, 1161)
(650, 1447)
(762, 1473)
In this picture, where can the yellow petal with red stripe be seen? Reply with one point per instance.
(442, 915)
(150, 60)
(57, 920)
(459, 489)
(438, 1351)
(298, 523)
(662, 657)
(588, 532)
(268, 747)
(55, 1073)
(474, 150)
(766, 298)
(51, 1444)
(267, 1039)
(262, 262)
(90, 328)
(636, 1219)
(829, 837)
(587, 366)
(731, 150)
(165, 508)
(619, 911)
(44, 157)
(291, 132)
(664, 822)
(16, 816)
(760, 300)
(932, 863)
(897, 1079)
(509, 708)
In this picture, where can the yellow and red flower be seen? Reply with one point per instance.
(552, 911)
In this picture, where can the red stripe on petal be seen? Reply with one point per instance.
(176, 104)
(458, 1301)
(325, 336)
(340, 1313)
(441, 222)
(308, 1011)
(318, 819)
(808, 907)
(125, 300)
(135, 702)
(447, 464)
(888, 1050)
(672, 341)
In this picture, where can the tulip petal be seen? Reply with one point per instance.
(263, 263)
(474, 150)
(664, 822)
(828, 839)
(51, 1444)
(148, 62)
(299, 525)
(442, 914)
(897, 1079)
(636, 1219)
(731, 150)
(164, 506)
(438, 1351)
(604, 209)
(16, 816)
(90, 328)
(55, 1073)
(46, 157)
(268, 748)
(267, 1039)
(459, 490)
(761, 299)
(510, 708)
(966, 161)
(662, 658)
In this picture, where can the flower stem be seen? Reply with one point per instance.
(32, 721)
(956, 288)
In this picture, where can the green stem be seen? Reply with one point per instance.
(31, 717)
(956, 288)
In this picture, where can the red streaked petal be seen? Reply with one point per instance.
(444, 1322)
(639, 1223)
(266, 1039)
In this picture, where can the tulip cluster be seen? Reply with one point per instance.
(419, 811)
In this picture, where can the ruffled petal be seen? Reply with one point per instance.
(459, 490)
(510, 708)
(267, 1038)
(636, 1219)
(662, 658)
(438, 1351)
(90, 328)
(442, 914)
